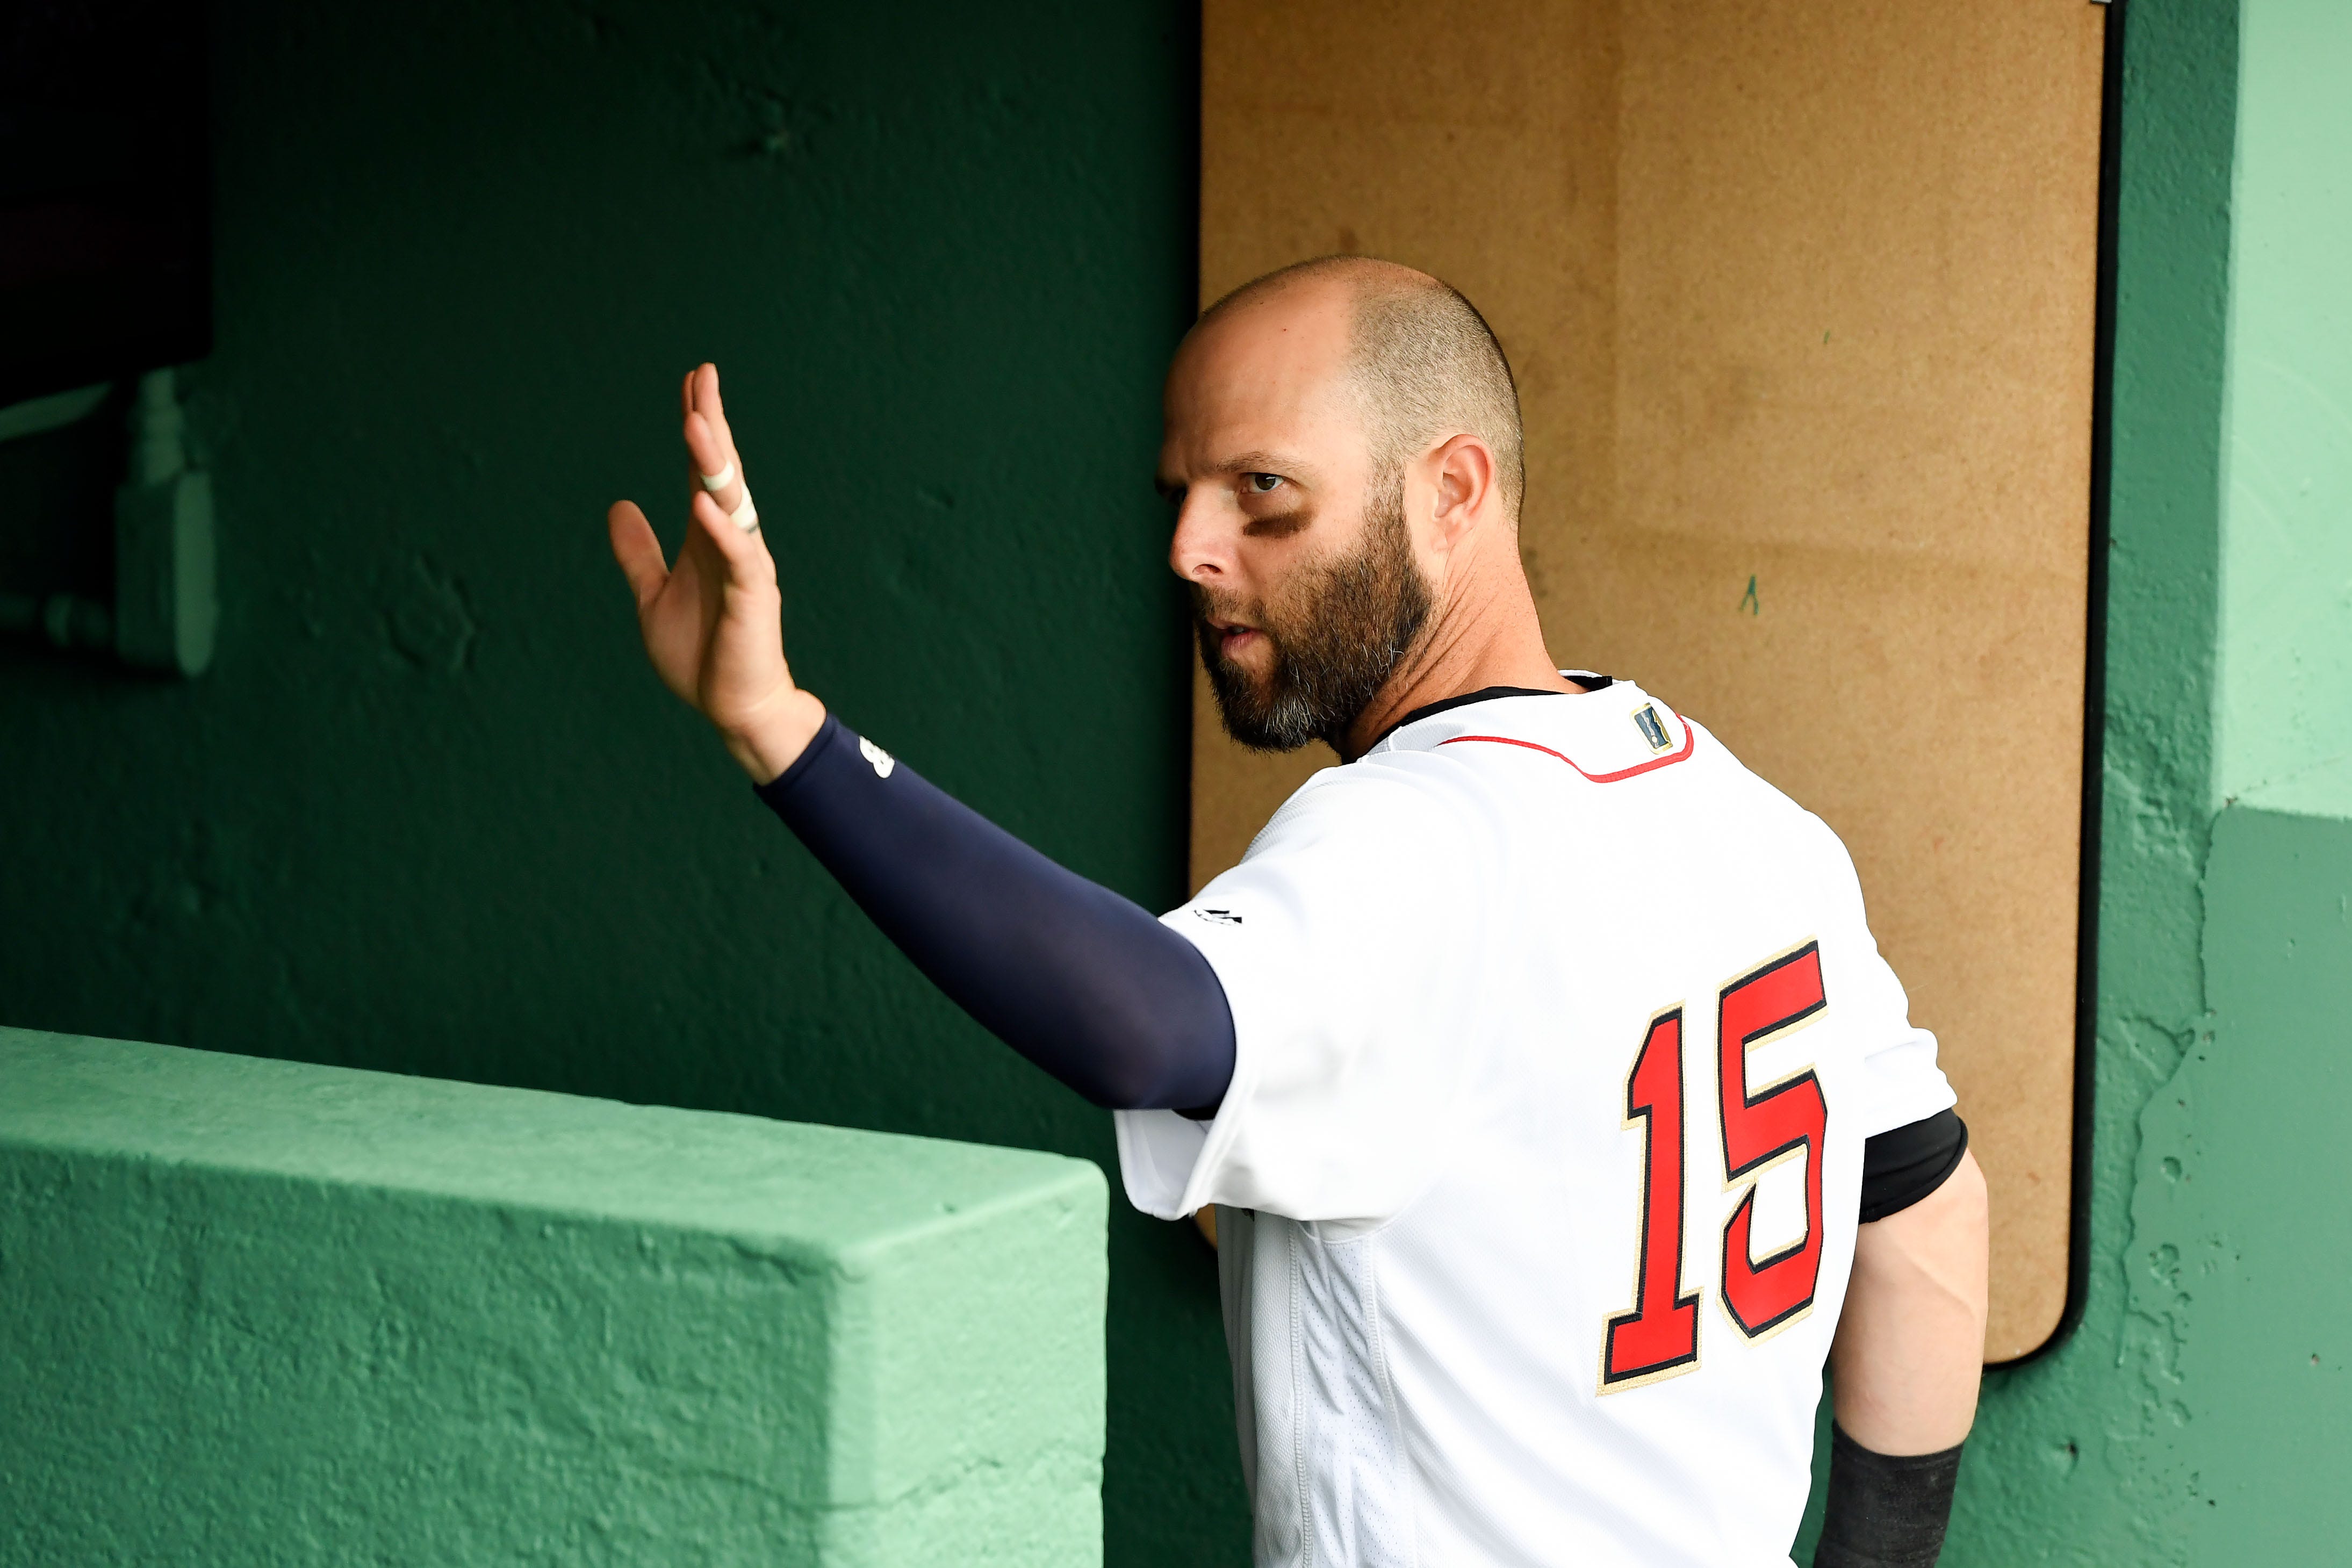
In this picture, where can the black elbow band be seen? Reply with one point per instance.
(1884, 1510)
(1900, 1167)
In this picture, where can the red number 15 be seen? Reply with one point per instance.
(1659, 1338)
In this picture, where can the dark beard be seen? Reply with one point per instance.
(1337, 637)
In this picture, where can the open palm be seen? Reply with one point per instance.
(712, 621)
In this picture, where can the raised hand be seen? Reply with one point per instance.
(713, 622)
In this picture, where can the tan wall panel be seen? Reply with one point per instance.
(1801, 292)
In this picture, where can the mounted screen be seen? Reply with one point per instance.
(104, 242)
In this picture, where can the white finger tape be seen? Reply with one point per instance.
(745, 516)
(719, 481)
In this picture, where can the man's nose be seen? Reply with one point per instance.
(1201, 549)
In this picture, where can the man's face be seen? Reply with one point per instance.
(1306, 590)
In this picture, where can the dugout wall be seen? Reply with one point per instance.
(1802, 297)
(267, 1311)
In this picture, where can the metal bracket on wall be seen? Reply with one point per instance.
(166, 606)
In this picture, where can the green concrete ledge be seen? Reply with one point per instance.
(260, 1313)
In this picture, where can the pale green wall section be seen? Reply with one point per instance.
(261, 1312)
(2257, 1198)
(2247, 1220)
(2087, 1455)
(2198, 1415)
(2284, 725)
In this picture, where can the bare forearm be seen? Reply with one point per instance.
(1909, 1350)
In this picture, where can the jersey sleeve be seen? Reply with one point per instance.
(1344, 942)
(1899, 1079)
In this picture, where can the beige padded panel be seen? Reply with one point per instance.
(1796, 290)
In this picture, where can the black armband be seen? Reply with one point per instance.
(1884, 1510)
(1902, 1166)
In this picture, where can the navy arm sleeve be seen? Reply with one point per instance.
(1082, 982)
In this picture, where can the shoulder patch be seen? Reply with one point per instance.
(1653, 728)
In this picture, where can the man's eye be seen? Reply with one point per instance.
(1262, 483)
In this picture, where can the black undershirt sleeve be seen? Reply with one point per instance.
(1084, 983)
(1902, 1166)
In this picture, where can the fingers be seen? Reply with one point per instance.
(749, 564)
(711, 443)
(706, 395)
(712, 453)
(637, 551)
(703, 400)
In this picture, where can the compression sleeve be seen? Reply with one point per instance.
(1082, 982)
(1884, 1510)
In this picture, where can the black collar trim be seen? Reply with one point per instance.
(1590, 682)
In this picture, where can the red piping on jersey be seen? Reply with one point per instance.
(1690, 740)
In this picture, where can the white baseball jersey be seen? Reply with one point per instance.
(1558, 1033)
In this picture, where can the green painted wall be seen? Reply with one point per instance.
(264, 1312)
(2260, 1225)
(2253, 1226)
(2284, 724)
(2080, 1457)
(429, 811)
(2197, 1414)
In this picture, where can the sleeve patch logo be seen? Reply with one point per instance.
(883, 760)
(1219, 916)
(1653, 728)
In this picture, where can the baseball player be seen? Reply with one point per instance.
(1561, 1117)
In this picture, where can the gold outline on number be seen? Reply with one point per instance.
(1753, 1177)
(1648, 1124)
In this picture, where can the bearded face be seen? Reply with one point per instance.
(1337, 630)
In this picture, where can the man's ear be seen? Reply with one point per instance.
(1467, 495)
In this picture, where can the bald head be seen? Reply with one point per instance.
(1421, 361)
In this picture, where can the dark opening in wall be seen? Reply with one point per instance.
(104, 241)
